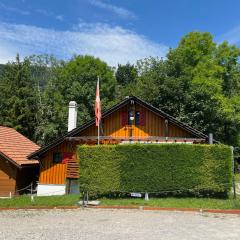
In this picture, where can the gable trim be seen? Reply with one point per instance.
(61, 139)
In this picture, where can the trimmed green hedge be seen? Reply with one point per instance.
(197, 169)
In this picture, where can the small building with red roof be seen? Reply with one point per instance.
(18, 174)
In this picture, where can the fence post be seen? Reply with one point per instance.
(233, 171)
(83, 201)
(31, 188)
(32, 197)
(146, 197)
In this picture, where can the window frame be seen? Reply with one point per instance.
(138, 118)
(58, 156)
(131, 113)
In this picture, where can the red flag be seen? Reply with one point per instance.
(98, 105)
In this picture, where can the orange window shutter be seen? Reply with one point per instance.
(67, 157)
(142, 118)
(124, 118)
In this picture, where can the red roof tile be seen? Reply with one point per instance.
(16, 147)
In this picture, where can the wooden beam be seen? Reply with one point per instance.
(150, 138)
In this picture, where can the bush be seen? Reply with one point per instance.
(158, 168)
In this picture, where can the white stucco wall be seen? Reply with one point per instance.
(50, 189)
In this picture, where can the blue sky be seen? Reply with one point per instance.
(116, 31)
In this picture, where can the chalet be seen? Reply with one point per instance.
(129, 121)
(17, 172)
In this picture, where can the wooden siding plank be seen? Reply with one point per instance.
(7, 178)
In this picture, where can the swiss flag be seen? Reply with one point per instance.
(98, 106)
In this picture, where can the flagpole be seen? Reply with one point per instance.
(98, 122)
(98, 134)
(98, 114)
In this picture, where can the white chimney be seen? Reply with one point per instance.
(72, 115)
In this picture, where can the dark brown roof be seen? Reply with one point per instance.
(15, 147)
(157, 111)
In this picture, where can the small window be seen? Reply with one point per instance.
(57, 157)
(137, 118)
(130, 117)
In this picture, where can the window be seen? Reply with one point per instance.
(137, 118)
(130, 117)
(57, 157)
(133, 117)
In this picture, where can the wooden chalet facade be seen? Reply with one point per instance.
(130, 121)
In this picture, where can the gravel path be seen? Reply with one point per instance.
(101, 224)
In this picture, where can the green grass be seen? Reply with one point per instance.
(49, 201)
(71, 200)
(204, 203)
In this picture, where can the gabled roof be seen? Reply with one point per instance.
(126, 101)
(15, 148)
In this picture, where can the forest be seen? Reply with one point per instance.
(198, 82)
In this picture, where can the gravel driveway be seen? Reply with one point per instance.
(116, 224)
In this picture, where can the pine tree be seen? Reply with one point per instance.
(18, 98)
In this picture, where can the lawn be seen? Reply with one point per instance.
(203, 203)
(49, 201)
(71, 200)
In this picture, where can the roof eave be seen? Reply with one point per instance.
(171, 119)
(10, 160)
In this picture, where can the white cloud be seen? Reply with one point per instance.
(43, 12)
(122, 12)
(48, 13)
(60, 17)
(112, 44)
(232, 36)
(14, 10)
